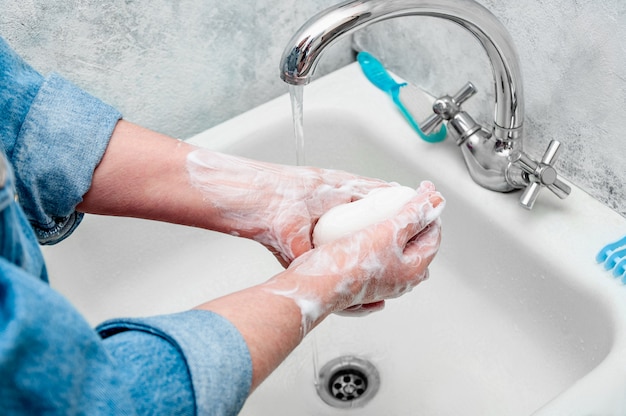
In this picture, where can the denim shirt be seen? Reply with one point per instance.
(53, 135)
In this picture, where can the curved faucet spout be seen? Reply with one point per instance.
(495, 159)
(307, 45)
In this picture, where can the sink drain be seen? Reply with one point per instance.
(348, 382)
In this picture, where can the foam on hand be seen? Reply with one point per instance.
(378, 205)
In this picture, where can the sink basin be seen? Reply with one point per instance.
(516, 318)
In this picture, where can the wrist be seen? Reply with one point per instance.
(256, 200)
(316, 297)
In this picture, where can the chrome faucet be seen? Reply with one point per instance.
(495, 158)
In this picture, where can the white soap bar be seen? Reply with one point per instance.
(377, 206)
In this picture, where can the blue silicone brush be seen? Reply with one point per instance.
(613, 256)
(412, 102)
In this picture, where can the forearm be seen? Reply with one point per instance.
(275, 316)
(270, 324)
(145, 174)
(140, 175)
(148, 175)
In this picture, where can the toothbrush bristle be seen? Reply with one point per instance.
(613, 258)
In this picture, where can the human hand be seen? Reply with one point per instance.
(276, 205)
(359, 271)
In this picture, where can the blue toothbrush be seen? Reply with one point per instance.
(410, 100)
(614, 257)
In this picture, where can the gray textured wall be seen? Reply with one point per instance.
(177, 66)
(180, 67)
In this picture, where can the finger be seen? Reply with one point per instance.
(280, 257)
(365, 187)
(363, 309)
(300, 244)
(426, 186)
(420, 251)
(420, 211)
(352, 186)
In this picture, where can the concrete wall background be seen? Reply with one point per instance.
(180, 67)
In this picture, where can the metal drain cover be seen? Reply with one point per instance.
(348, 382)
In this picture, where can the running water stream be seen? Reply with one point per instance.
(296, 93)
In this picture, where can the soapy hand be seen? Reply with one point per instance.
(275, 205)
(362, 269)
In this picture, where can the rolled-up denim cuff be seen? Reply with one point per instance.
(217, 357)
(62, 140)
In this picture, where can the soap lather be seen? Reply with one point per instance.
(379, 205)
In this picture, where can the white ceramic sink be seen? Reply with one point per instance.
(516, 318)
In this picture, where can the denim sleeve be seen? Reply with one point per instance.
(214, 351)
(53, 362)
(54, 135)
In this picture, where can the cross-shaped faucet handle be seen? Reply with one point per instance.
(447, 107)
(541, 174)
